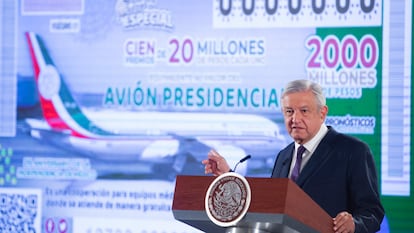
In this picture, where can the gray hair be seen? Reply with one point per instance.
(306, 85)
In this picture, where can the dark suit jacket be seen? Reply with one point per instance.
(340, 176)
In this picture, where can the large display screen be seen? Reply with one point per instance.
(104, 103)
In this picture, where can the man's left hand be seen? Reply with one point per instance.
(344, 223)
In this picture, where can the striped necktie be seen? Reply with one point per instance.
(296, 168)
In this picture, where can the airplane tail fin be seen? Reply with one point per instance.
(60, 110)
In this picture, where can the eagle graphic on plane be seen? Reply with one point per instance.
(169, 141)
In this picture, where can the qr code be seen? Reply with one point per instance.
(20, 210)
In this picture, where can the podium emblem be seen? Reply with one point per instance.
(228, 199)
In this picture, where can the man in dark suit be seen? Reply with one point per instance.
(337, 171)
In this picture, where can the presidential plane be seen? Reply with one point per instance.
(171, 139)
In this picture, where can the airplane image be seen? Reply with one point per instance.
(162, 141)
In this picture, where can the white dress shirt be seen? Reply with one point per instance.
(310, 148)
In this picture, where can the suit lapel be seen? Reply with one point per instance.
(319, 157)
(285, 160)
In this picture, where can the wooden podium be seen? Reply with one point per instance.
(277, 205)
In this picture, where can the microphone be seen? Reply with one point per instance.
(245, 158)
(241, 161)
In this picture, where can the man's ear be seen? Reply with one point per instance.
(324, 112)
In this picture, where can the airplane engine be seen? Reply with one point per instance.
(184, 157)
(160, 149)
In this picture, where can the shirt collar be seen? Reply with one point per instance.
(314, 142)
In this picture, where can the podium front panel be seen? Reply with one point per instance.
(277, 205)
